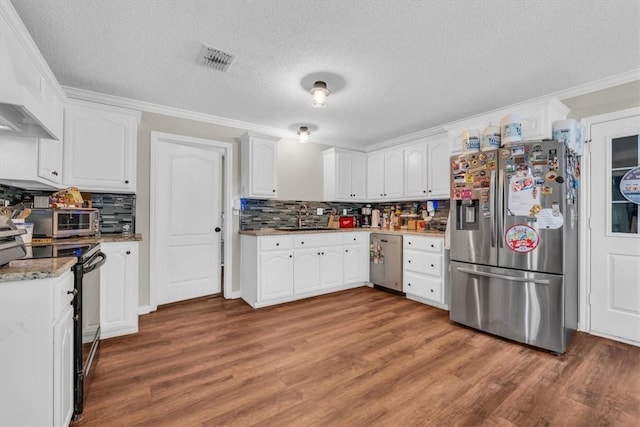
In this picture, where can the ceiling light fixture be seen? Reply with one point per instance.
(319, 93)
(303, 134)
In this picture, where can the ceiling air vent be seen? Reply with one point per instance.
(215, 58)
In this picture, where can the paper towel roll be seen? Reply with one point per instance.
(490, 138)
(511, 128)
(471, 140)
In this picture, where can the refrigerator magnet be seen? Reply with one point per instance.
(521, 238)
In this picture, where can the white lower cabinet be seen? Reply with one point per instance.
(36, 352)
(63, 367)
(119, 289)
(277, 269)
(276, 275)
(320, 263)
(356, 258)
(424, 275)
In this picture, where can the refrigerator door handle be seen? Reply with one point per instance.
(492, 208)
(502, 276)
(501, 211)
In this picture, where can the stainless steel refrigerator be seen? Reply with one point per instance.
(514, 243)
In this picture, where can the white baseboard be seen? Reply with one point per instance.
(144, 309)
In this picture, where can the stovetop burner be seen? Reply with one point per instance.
(78, 250)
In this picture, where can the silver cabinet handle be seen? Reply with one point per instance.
(502, 276)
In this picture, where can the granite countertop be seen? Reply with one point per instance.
(104, 238)
(277, 232)
(29, 269)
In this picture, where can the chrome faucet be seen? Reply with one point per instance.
(300, 209)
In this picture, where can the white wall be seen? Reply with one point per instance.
(300, 170)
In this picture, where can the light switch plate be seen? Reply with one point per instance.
(319, 211)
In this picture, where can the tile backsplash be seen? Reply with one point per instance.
(258, 213)
(117, 211)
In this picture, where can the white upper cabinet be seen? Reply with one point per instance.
(100, 144)
(416, 167)
(30, 163)
(28, 89)
(385, 175)
(345, 174)
(259, 160)
(537, 119)
(438, 169)
(50, 160)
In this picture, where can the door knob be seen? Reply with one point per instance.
(217, 229)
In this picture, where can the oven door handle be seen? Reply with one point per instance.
(90, 265)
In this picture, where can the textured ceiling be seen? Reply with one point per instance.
(394, 67)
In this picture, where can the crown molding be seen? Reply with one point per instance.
(426, 133)
(617, 80)
(149, 107)
(133, 104)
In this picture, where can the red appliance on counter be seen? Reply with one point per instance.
(347, 221)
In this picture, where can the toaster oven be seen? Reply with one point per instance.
(64, 222)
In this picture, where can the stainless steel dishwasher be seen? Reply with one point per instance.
(385, 264)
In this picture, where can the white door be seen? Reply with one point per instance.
(187, 197)
(615, 240)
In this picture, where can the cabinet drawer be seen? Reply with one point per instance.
(62, 294)
(354, 238)
(431, 244)
(422, 286)
(315, 240)
(275, 242)
(423, 262)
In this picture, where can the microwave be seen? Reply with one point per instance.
(64, 222)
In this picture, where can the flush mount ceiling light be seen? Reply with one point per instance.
(319, 93)
(303, 134)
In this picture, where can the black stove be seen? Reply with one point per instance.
(82, 251)
(86, 307)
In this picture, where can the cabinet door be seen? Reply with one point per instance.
(344, 176)
(263, 167)
(415, 163)
(306, 270)
(375, 176)
(356, 266)
(63, 368)
(119, 289)
(359, 176)
(394, 174)
(439, 168)
(276, 275)
(331, 266)
(50, 160)
(99, 149)
(422, 286)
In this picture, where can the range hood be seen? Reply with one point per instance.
(31, 100)
(17, 120)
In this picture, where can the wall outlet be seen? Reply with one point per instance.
(319, 211)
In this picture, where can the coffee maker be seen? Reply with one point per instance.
(365, 214)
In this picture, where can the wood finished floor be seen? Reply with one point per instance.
(356, 358)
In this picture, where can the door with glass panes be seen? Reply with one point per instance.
(615, 239)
